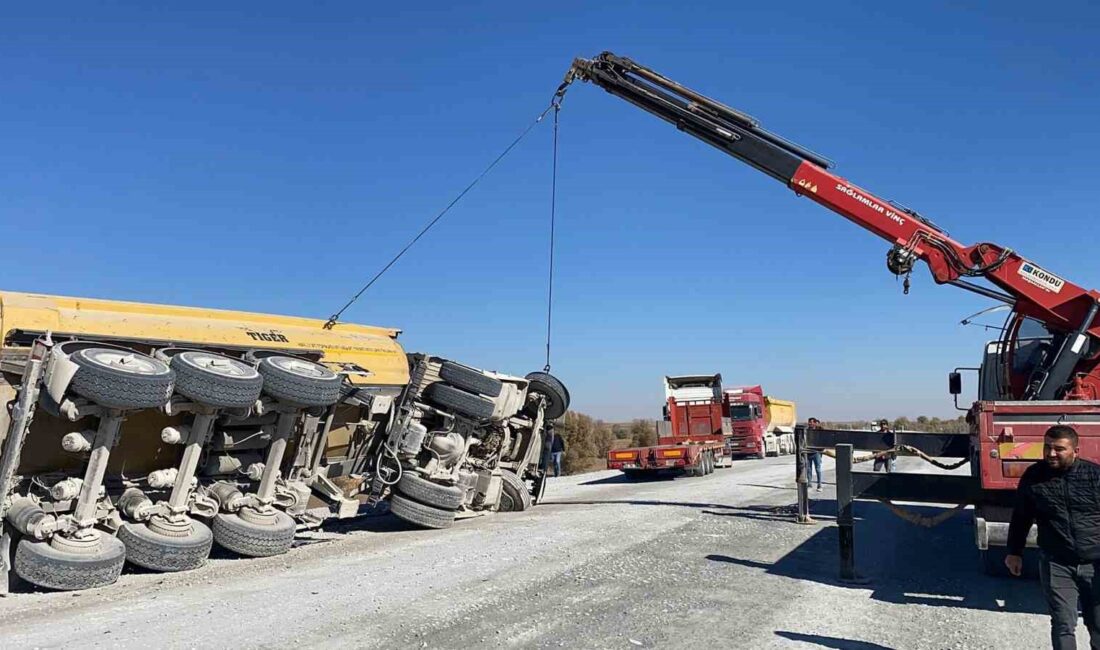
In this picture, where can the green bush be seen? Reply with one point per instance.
(643, 433)
(586, 440)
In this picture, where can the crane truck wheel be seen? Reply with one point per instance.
(244, 537)
(420, 514)
(299, 382)
(710, 462)
(149, 549)
(420, 489)
(121, 379)
(470, 379)
(216, 380)
(547, 385)
(514, 495)
(468, 404)
(41, 564)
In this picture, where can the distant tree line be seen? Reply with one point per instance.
(922, 423)
(588, 440)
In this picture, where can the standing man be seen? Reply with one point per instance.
(889, 460)
(815, 455)
(557, 452)
(1062, 495)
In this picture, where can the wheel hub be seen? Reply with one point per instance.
(264, 517)
(300, 367)
(220, 365)
(127, 361)
(171, 526)
(83, 542)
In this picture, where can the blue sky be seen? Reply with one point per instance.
(273, 156)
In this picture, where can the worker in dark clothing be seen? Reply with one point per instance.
(1061, 495)
(814, 456)
(889, 460)
(557, 452)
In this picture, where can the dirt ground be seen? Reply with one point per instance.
(606, 562)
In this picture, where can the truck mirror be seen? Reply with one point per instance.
(954, 383)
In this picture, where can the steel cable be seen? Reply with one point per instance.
(336, 316)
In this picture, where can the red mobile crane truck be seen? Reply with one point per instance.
(692, 436)
(1043, 370)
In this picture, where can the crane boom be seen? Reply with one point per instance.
(1065, 308)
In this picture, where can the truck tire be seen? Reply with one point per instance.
(762, 454)
(151, 550)
(700, 468)
(547, 385)
(468, 404)
(254, 540)
(121, 379)
(420, 514)
(470, 379)
(421, 490)
(41, 564)
(299, 382)
(710, 463)
(216, 380)
(514, 496)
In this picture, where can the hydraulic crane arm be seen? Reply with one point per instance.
(1062, 306)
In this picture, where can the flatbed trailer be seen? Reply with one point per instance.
(693, 436)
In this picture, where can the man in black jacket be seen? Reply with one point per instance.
(557, 452)
(1061, 495)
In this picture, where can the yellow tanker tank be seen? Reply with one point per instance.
(781, 414)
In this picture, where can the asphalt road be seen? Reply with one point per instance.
(605, 563)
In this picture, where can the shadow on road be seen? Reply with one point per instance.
(906, 564)
(819, 510)
(775, 487)
(651, 477)
(831, 641)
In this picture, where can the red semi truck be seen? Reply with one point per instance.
(693, 435)
(762, 425)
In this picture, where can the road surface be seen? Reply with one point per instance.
(606, 562)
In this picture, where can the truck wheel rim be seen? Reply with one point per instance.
(125, 361)
(219, 365)
(301, 368)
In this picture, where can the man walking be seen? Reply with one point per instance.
(888, 460)
(1061, 494)
(814, 456)
(557, 452)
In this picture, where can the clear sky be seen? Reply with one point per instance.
(272, 156)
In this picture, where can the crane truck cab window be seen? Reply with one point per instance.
(1033, 346)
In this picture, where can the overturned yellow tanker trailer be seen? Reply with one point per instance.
(146, 433)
